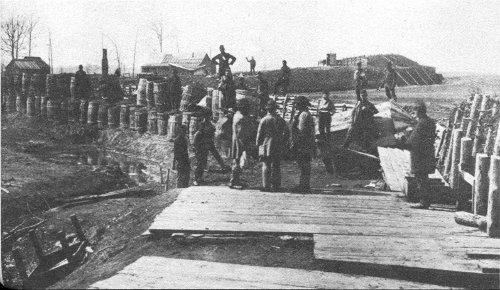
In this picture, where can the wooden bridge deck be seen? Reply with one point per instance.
(188, 274)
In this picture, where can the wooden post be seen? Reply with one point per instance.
(481, 184)
(488, 144)
(471, 127)
(479, 126)
(36, 246)
(447, 162)
(493, 215)
(465, 154)
(78, 228)
(455, 159)
(21, 268)
(496, 146)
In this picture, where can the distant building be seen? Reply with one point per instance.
(331, 60)
(29, 64)
(194, 64)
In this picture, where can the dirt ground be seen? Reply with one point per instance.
(43, 164)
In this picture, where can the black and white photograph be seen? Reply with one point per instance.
(250, 144)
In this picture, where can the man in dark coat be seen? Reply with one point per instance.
(271, 138)
(181, 158)
(283, 79)
(82, 84)
(360, 81)
(362, 129)
(224, 60)
(389, 82)
(202, 143)
(303, 127)
(228, 89)
(422, 159)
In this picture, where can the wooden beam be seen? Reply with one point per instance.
(455, 160)
(473, 115)
(470, 220)
(479, 126)
(469, 178)
(465, 154)
(481, 184)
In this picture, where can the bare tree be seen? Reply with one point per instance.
(157, 28)
(116, 51)
(14, 32)
(32, 23)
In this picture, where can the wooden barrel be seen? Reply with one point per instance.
(113, 116)
(141, 120)
(173, 126)
(43, 107)
(131, 112)
(92, 112)
(11, 102)
(38, 105)
(50, 86)
(30, 107)
(124, 116)
(194, 125)
(84, 107)
(52, 110)
(72, 88)
(20, 103)
(162, 123)
(63, 111)
(160, 95)
(102, 116)
(32, 90)
(150, 98)
(25, 83)
(141, 92)
(152, 122)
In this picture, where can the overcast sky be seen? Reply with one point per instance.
(451, 35)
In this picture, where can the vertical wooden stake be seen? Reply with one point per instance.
(161, 175)
(454, 179)
(465, 154)
(471, 127)
(168, 179)
(78, 228)
(37, 246)
(448, 159)
(496, 147)
(479, 126)
(488, 143)
(493, 215)
(21, 268)
(481, 184)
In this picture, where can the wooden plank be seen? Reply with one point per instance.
(483, 254)
(189, 274)
(467, 177)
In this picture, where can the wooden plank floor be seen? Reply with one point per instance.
(395, 165)
(188, 274)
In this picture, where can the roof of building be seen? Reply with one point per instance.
(191, 62)
(28, 63)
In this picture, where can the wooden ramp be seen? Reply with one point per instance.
(212, 209)
(188, 274)
(395, 165)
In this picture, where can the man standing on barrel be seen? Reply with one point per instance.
(224, 60)
(82, 84)
(422, 158)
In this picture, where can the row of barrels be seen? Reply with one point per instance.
(126, 116)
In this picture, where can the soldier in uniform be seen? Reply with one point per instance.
(283, 79)
(360, 80)
(82, 84)
(252, 64)
(181, 158)
(422, 158)
(389, 82)
(202, 143)
(262, 91)
(326, 109)
(224, 60)
(271, 137)
(176, 90)
(228, 89)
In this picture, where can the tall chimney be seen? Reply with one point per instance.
(104, 62)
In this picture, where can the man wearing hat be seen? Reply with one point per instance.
(271, 137)
(326, 109)
(228, 89)
(82, 84)
(303, 127)
(422, 158)
(181, 158)
(224, 60)
(389, 82)
(262, 91)
(243, 136)
(283, 79)
(360, 80)
(252, 64)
